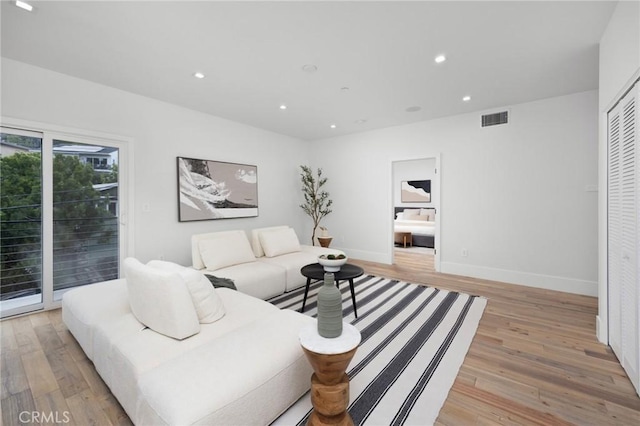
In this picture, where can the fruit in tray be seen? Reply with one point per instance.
(333, 256)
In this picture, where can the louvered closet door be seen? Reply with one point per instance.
(624, 234)
(614, 256)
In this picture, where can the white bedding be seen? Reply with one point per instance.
(417, 227)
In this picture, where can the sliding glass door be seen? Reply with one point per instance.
(85, 215)
(60, 214)
(20, 220)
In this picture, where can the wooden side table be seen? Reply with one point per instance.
(329, 382)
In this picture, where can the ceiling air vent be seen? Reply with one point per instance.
(495, 119)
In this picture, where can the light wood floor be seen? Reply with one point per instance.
(535, 360)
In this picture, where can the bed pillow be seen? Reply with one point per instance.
(160, 300)
(232, 249)
(209, 307)
(419, 217)
(400, 215)
(429, 213)
(410, 212)
(279, 241)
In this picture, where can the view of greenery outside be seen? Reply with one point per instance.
(85, 223)
(20, 219)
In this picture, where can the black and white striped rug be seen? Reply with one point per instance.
(414, 340)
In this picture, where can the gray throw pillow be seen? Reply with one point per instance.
(221, 282)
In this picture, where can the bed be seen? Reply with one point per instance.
(419, 221)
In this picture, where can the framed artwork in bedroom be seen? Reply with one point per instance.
(210, 189)
(415, 191)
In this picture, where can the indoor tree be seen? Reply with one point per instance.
(316, 200)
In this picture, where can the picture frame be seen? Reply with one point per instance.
(415, 191)
(209, 189)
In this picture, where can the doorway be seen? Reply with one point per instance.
(416, 213)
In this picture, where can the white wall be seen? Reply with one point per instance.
(514, 196)
(619, 67)
(160, 133)
(619, 52)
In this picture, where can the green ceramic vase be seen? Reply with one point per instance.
(329, 308)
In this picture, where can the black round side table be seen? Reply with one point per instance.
(347, 272)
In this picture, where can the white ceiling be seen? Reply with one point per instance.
(252, 54)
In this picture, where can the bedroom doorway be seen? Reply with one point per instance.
(415, 213)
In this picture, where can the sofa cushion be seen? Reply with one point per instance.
(86, 306)
(160, 300)
(292, 263)
(279, 241)
(125, 350)
(255, 238)
(256, 279)
(196, 257)
(241, 389)
(205, 299)
(225, 250)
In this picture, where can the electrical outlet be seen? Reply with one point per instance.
(465, 252)
(146, 207)
(161, 256)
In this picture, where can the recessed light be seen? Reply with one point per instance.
(440, 59)
(198, 75)
(413, 108)
(24, 5)
(361, 121)
(344, 89)
(466, 98)
(283, 107)
(309, 68)
(333, 126)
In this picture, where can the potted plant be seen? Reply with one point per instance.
(324, 239)
(316, 200)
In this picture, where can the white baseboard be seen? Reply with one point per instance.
(549, 282)
(369, 256)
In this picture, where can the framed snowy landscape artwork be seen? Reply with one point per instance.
(216, 190)
(415, 191)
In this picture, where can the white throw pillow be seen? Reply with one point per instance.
(160, 300)
(279, 241)
(208, 305)
(220, 252)
(255, 238)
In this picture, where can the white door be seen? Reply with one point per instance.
(624, 233)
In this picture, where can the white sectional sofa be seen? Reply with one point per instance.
(175, 351)
(267, 266)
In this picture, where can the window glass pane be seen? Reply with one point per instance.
(20, 221)
(85, 214)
